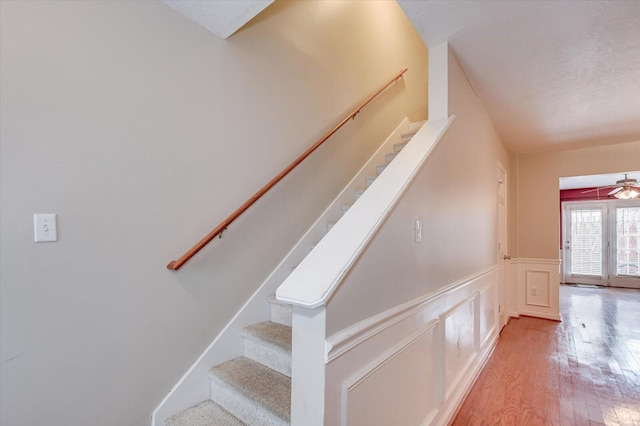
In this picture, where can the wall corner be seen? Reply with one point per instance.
(439, 82)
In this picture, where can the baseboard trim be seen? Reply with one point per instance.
(541, 315)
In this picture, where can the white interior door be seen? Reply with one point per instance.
(585, 253)
(625, 244)
(503, 256)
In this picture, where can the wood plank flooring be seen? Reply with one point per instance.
(584, 370)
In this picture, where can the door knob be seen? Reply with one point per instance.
(507, 257)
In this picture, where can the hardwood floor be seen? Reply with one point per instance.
(584, 370)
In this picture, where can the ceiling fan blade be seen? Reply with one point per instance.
(618, 189)
(600, 188)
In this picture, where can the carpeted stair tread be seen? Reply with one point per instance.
(397, 147)
(270, 333)
(408, 135)
(207, 413)
(256, 383)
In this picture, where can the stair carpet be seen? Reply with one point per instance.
(397, 147)
(255, 389)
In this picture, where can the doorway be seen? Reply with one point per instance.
(601, 243)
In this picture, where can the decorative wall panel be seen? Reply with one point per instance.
(386, 392)
(538, 288)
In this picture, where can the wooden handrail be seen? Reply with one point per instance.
(177, 264)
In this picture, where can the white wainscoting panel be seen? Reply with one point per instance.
(412, 364)
(539, 288)
(386, 392)
(487, 313)
(459, 345)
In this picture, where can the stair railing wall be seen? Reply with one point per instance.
(340, 370)
(312, 284)
(191, 389)
(315, 280)
(218, 230)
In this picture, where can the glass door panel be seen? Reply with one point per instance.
(625, 253)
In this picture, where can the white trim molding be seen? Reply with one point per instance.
(343, 341)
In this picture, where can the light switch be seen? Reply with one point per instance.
(44, 226)
(418, 230)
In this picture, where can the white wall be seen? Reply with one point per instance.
(142, 131)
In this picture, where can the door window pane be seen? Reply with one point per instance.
(628, 241)
(586, 242)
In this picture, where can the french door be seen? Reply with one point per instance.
(601, 243)
(625, 246)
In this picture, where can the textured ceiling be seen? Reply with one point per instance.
(221, 17)
(552, 74)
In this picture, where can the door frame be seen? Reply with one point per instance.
(502, 257)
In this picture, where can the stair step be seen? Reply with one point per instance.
(389, 157)
(269, 343)
(397, 147)
(279, 312)
(358, 193)
(407, 136)
(370, 180)
(207, 413)
(255, 394)
(380, 168)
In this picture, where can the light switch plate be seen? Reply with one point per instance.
(44, 226)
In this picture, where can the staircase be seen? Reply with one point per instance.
(255, 389)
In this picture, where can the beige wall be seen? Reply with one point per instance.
(142, 131)
(538, 221)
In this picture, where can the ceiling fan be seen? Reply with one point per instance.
(624, 189)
